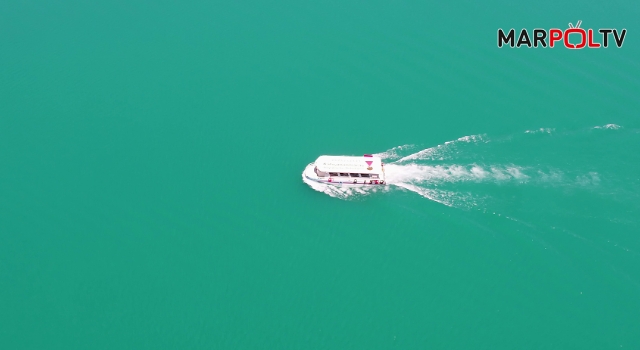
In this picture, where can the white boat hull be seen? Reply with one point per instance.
(311, 175)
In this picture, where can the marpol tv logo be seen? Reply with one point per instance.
(572, 37)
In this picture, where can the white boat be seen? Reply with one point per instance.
(367, 170)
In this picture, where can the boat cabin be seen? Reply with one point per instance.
(365, 169)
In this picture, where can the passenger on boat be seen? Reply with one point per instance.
(320, 173)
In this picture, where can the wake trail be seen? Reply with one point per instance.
(464, 172)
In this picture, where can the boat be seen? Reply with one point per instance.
(367, 170)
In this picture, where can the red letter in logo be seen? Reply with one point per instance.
(554, 35)
(580, 31)
(576, 30)
(591, 43)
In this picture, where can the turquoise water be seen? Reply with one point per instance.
(151, 193)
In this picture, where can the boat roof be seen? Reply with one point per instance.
(361, 164)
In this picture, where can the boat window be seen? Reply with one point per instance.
(333, 174)
(364, 175)
(320, 173)
(354, 175)
(374, 176)
(344, 174)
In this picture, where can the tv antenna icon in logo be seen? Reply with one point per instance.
(555, 35)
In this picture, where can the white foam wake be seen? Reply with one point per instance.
(608, 126)
(448, 198)
(395, 153)
(541, 131)
(438, 172)
(439, 152)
